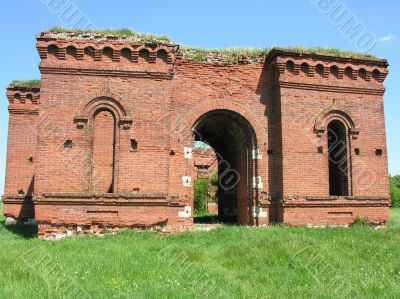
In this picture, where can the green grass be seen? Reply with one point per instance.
(230, 55)
(228, 262)
(141, 36)
(234, 55)
(25, 83)
(333, 52)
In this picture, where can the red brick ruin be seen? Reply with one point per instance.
(106, 140)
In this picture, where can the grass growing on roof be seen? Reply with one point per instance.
(231, 55)
(123, 31)
(332, 52)
(27, 83)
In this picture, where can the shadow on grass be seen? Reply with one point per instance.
(212, 219)
(24, 231)
(206, 219)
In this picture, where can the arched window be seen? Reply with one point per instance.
(52, 51)
(162, 55)
(88, 53)
(375, 74)
(71, 53)
(290, 66)
(125, 54)
(107, 54)
(362, 73)
(338, 159)
(348, 72)
(144, 55)
(103, 160)
(304, 68)
(334, 71)
(319, 69)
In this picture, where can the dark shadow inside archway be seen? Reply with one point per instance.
(232, 139)
(338, 160)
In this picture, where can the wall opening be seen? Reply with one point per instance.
(338, 159)
(232, 139)
(104, 128)
(205, 182)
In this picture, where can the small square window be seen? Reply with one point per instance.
(378, 152)
(133, 144)
(68, 144)
(357, 151)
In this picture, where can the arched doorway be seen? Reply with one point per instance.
(338, 159)
(233, 141)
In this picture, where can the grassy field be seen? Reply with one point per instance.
(228, 262)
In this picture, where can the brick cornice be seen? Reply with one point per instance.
(275, 52)
(332, 88)
(103, 195)
(336, 201)
(102, 202)
(23, 94)
(160, 75)
(99, 42)
(101, 199)
(23, 110)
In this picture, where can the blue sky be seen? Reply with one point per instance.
(207, 23)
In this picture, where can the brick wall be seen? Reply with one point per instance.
(21, 151)
(122, 113)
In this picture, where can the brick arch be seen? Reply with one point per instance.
(338, 115)
(124, 46)
(330, 114)
(77, 46)
(105, 102)
(184, 124)
(108, 45)
(104, 98)
(91, 45)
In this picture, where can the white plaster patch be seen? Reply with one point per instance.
(259, 212)
(187, 181)
(186, 213)
(187, 151)
(257, 154)
(257, 182)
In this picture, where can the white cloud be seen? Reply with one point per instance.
(387, 38)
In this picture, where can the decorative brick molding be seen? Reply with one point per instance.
(332, 112)
(294, 65)
(28, 95)
(78, 43)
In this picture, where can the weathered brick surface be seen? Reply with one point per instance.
(108, 136)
